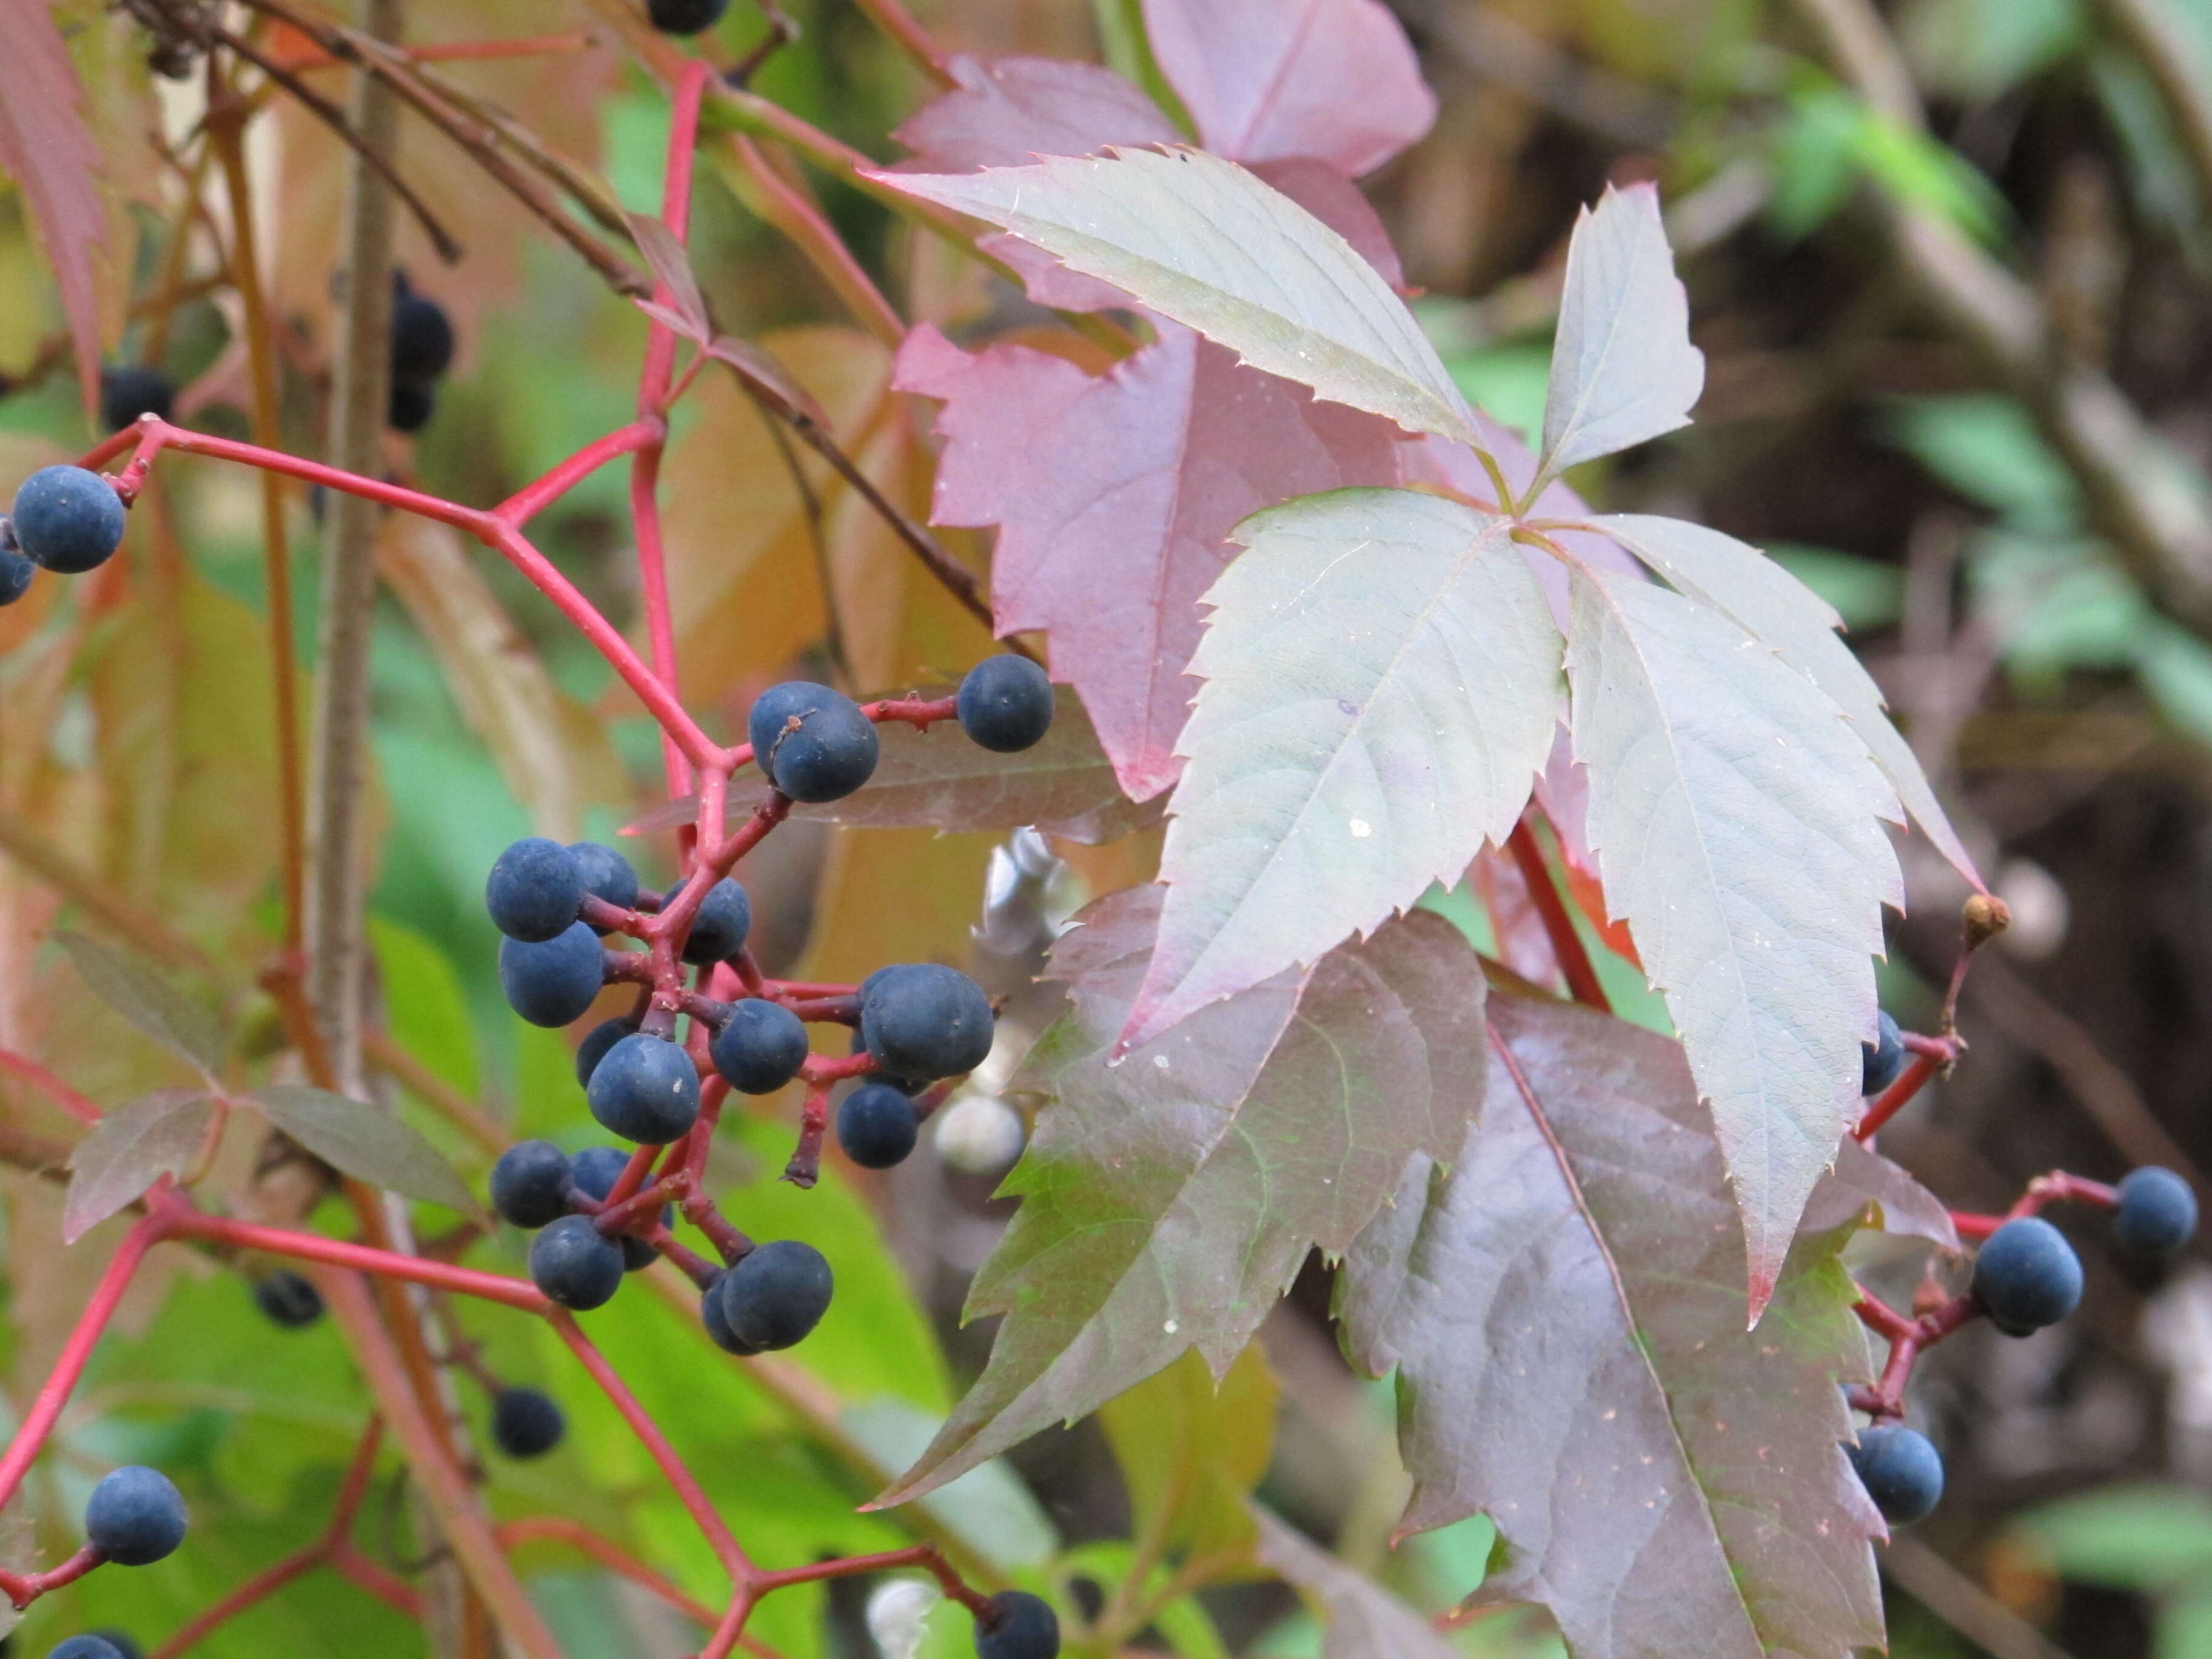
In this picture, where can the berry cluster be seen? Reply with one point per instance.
(707, 1022)
(2026, 1277)
(65, 519)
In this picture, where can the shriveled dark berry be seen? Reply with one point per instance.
(760, 1047)
(288, 1300)
(422, 338)
(533, 890)
(1017, 1625)
(876, 1125)
(605, 874)
(1901, 1470)
(2156, 1216)
(531, 1184)
(412, 405)
(596, 1041)
(68, 520)
(812, 742)
(135, 1517)
(554, 983)
(924, 1020)
(573, 1265)
(130, 390)
(1882, 1060)
(2027, 1276)
(526, 1423)
(646, 1089)
(1005, 704)
(598, 1169)
(775, 1295)
(685, 16)
(718, 931)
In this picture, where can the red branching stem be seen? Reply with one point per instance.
(23, 1588)
(560, 1529)
(924, 1556)
(628, 1182)
(912, 39)
(1894, 1099)
(2055, 1187)
(1974, 1228)
(1558, 925)
(734, 1560)
(806, 1166)
(251, 1594)
(53, 1088)
(1907, 1337)
(821, 1068)
(785, 990)
(536, 497)
(364, 1574)
(53, 1393)
(180, 1219)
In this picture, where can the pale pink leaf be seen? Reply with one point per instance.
(1007, 112)
(1266, 79)
(1113, 497)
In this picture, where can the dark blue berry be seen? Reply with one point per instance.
(531, 1184)
(1006, 703)
(2027, 1276)
(574, 1265)
(87, 1647)
(411, 406)
(598, 1169)
(760, 1047)
(1017, 1625)
(533, 890)
(718, 932)
(554, 983)
(130, 390)
(15, 570)
(775, 1295)
(1901, 1470)
(289, 1300)
(1881, 1060)
(422, 338)
(135, 1517)
(684, 16)
(924, 1020)
(605, 873)
(813, 744)
(596, 1041)
(876, 1125)
(68, 520)
(2157, 1213)
(526, 1423)
(647, 1090)
(710, 1315)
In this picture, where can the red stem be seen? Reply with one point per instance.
(1894, 1099)
(251, 1594)
(180, 1219)
(1558, 925)
(535, 497)
(559, 1530)
(22, 1066)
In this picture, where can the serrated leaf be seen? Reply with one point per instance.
(47, 149)
(366, 1142)
(1734, 819)
(1863, 1181)
(1191, 1451)
(129, 1150)
(1265, 81)
(1115, 498)
(1623, 368)
(1365, 1621)
(1209, 244)
(1774, 607)
(143, 994)
(1169, 1198)
(1001, 112)
(1382, 684)
(1064, 785)
(1565, 1313)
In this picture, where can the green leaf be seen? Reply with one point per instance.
(1733, 812)
(1623, 368)
(1169, 1198)
(425, 1005)
(139, 991)
(366, 1142)
(988, 1507)
(1365, 1621)
(1381, 685)
(1206, 242)
(1781, 612)
(1565, 1313)
(129, 1150)
(2153, 1538)
(1192, 1450)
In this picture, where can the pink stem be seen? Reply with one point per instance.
(181, 1219)
(23, 1588)
(77, 1105)
(254, 1591)
(535, 497)
(1894, 1099)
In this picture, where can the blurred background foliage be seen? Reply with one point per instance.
(1928, 485)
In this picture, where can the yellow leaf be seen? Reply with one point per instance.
(1191, 1452)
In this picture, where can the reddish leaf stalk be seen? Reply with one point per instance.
(1894, 1099)
(46, 1082)
(1558, 925)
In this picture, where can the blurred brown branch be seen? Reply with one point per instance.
(2173, 57)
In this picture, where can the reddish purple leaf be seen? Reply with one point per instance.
(1564, 1311)
(1863, 1176)
(46, 147)
(129, 1150)
(1268, 79)
(1008, 111)
(1114, 497)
